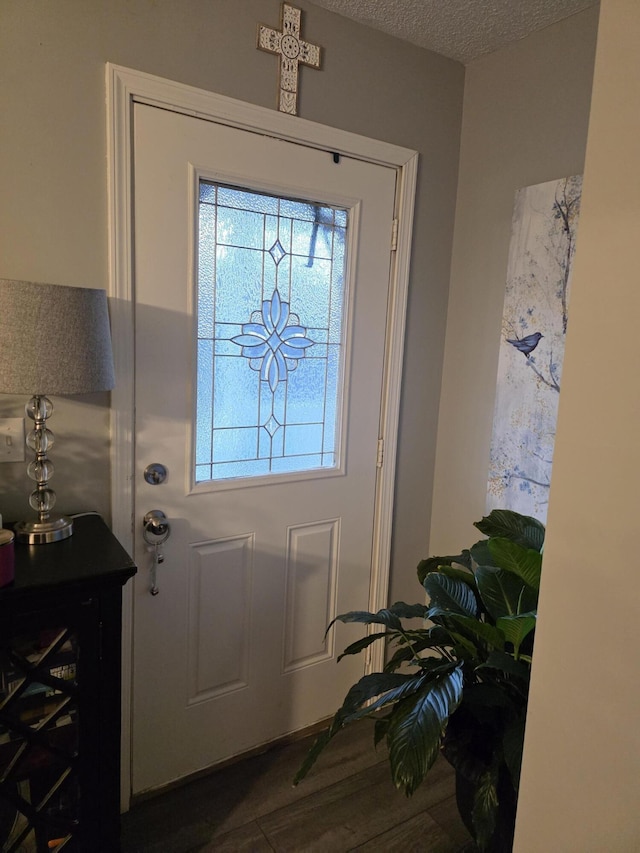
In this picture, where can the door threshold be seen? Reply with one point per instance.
(278, 743)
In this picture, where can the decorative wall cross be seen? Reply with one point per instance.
(292, 50)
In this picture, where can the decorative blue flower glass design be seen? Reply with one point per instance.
(273, 342)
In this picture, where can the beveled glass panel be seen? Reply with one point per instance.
(241, 269)
(244, 199)
(232, 445)
(235, 393)
(204, 412)
(207, 263)
(240, 228)
(302, 438)
(291, 464)
(306, 391)
(271, 321)
(295, 209)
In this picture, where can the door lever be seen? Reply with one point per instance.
(155, 532)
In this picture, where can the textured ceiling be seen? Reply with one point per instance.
(459, 29)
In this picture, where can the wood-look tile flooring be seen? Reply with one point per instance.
(347, 802)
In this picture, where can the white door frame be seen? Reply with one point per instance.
(124, 87)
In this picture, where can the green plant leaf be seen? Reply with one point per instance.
(401, 656)
(391, 684)
(408, 611)
(448, 594)
(480, 553)
(312, 756)
(462, 646)
(503, 593)
(487, 634)
(368, 687)
(364, 643)
(457, 574)
(512, 744)
(439, 636)
(485, 807)
(432, 564)
(429, 638)
(516, 628)
(524, 562)
(416, 726)
(437, 666)
(388, 616)
(521, 529)
(457, 750)
(382, 617)
(431, 671)
(413, 684)
(380, 729)
(483, 698)
(503, 662)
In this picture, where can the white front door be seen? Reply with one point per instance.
(262, 273)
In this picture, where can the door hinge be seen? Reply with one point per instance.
(394, 235)
(380, 457)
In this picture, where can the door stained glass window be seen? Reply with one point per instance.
(271, 296)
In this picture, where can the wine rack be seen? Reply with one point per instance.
(39, 740)
(60, 625)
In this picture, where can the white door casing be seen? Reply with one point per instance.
(126, 87)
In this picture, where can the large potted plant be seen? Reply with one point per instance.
(457, 680)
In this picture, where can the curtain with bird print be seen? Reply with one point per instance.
(534, 326)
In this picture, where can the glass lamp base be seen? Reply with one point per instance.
(42, 532)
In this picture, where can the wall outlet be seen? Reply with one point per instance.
(11, 439)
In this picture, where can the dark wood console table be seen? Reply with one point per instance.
(60, 664)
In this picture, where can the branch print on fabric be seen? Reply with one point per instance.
(534, 326)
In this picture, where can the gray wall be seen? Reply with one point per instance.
(526, 111)
(53, 208)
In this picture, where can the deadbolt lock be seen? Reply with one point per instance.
(155, 474)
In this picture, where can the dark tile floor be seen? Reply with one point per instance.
(348, 802)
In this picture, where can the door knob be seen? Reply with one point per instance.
(155, 523)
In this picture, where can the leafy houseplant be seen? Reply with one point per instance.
(457, 682)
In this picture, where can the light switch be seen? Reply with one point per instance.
(11, 439)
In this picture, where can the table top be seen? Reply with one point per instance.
(91, 555)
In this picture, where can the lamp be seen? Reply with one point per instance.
(53, 340)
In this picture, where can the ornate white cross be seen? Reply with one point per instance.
(292, 50)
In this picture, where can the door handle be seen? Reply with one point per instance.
(155, 532)
(155, 523)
